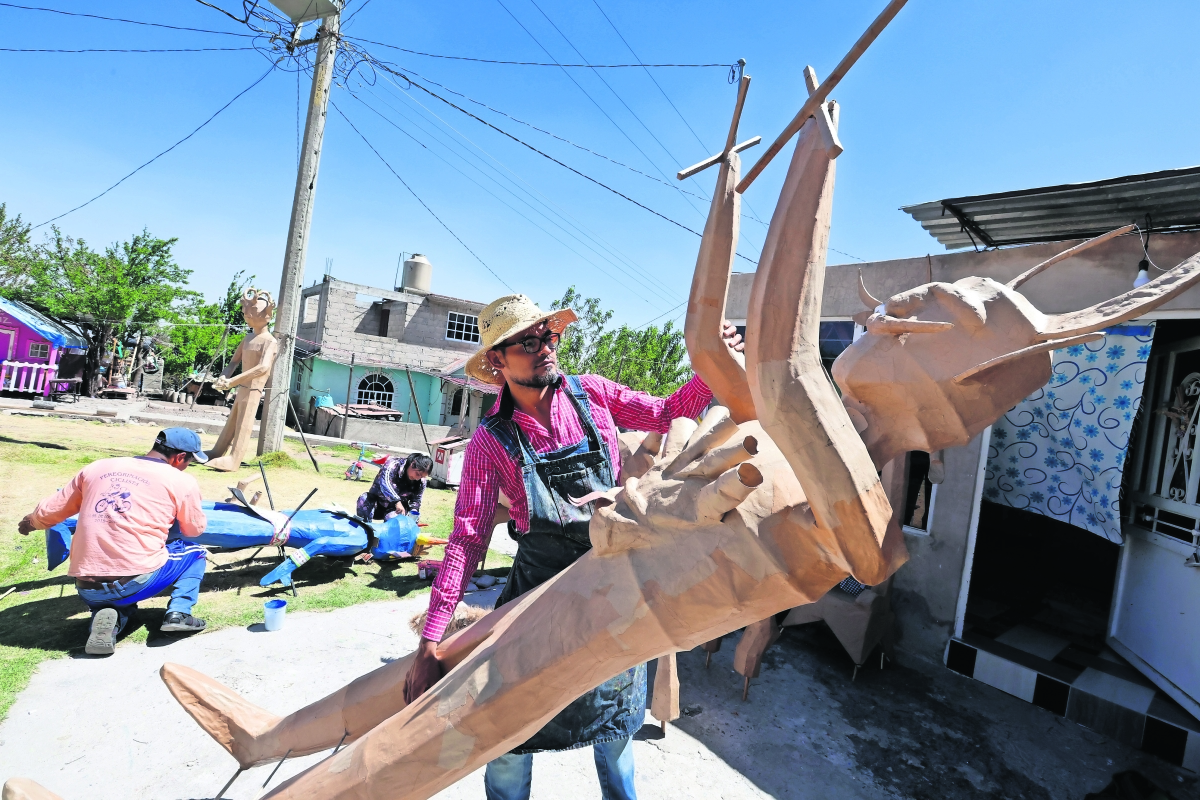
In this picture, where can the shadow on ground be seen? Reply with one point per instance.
(922, 733)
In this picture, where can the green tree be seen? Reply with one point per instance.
(16, 252)
(205, 335)
(578, 347)
(649, 359)
(129, 288)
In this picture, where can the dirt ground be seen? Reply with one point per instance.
(44, 618)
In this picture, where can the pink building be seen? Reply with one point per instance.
(32, 347)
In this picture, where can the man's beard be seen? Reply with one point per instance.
(540, 381)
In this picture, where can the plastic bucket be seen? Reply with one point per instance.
(273, 611)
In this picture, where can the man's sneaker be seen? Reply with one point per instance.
(178, 622)
(102, 640)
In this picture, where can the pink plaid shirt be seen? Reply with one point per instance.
(488, 470)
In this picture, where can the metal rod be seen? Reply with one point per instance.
(349, 383)
(303, 438)
(746, 689)
(225, 788)
(266, 484)
(277, 766)
(302, 502)
(818, 97)
(417, 407)
(339, 744)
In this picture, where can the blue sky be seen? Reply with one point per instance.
(954, 98)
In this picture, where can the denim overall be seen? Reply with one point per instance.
(557, 537)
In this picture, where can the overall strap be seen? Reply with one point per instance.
(583, 405)
(508, 433)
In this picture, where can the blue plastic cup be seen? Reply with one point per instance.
(273, 611)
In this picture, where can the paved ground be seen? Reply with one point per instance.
(107, 728)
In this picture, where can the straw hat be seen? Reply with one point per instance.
(506, 317)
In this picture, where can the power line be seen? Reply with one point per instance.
(632, 113)
(502, 201)
(419, 200)
(587, 95)
(129, 21)
(531, 190)
(560, 163)
(532, 63)
(163, 153)
(98, 50)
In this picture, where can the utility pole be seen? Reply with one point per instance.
(287, 313)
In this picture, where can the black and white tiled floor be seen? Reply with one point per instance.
(1080, 679)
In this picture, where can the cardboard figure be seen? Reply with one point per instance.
(731, 522)
(256, 353)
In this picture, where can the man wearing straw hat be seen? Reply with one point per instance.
(548, 438)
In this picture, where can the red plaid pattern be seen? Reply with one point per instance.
(488, 470)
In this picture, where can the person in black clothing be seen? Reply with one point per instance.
(397, 488)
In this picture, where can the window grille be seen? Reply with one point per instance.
(377, 389)
(462, 327)
(39, 350)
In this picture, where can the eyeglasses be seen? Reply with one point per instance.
(533, 344)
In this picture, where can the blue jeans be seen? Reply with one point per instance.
(183, 571)
(509, 777)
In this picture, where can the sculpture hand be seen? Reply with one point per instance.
(221, 384)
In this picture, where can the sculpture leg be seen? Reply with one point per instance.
(665, 706)
(747, 659)
(238, 431)
(253, 735)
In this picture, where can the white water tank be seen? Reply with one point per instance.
(418, 275)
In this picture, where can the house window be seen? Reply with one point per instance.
(299, 370)
(462, 327)
(377, 389)
(39, 350)
(456, 404)
(312, 305)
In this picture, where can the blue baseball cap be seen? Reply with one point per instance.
(183, 439)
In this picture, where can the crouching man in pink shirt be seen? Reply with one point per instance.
(119, 553)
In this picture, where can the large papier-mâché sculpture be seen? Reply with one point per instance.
(256, 353)
(716, 526)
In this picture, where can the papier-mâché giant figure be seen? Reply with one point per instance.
(717, 526)
(256, 353)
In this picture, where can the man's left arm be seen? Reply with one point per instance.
(644, 412)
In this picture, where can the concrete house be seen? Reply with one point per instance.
(401, 349)
(1058, 560)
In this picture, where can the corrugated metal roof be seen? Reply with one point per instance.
(1069, 211)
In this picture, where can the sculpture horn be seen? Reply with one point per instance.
(1133, 303)
(894, 326)
(866, 296)
(1065, 254)
(978, 370)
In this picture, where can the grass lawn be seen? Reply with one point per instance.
(44, 618)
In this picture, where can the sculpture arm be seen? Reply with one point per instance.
(234, 360)
(262, 370)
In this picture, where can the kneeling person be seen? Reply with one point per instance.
(119, 553)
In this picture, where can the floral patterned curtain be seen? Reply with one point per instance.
(1061, 451)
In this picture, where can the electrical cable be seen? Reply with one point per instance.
(649, 287)
(551, 134)
(99, 50)
(621, 100)
(562, 164)
(600, 108)
(163, 153)
(531, 63)
(559, 210)
(419, 200)
(118, 19)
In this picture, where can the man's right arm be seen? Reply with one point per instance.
(64, 503)
(476, 505)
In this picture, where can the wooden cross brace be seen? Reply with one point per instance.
(730, 147)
